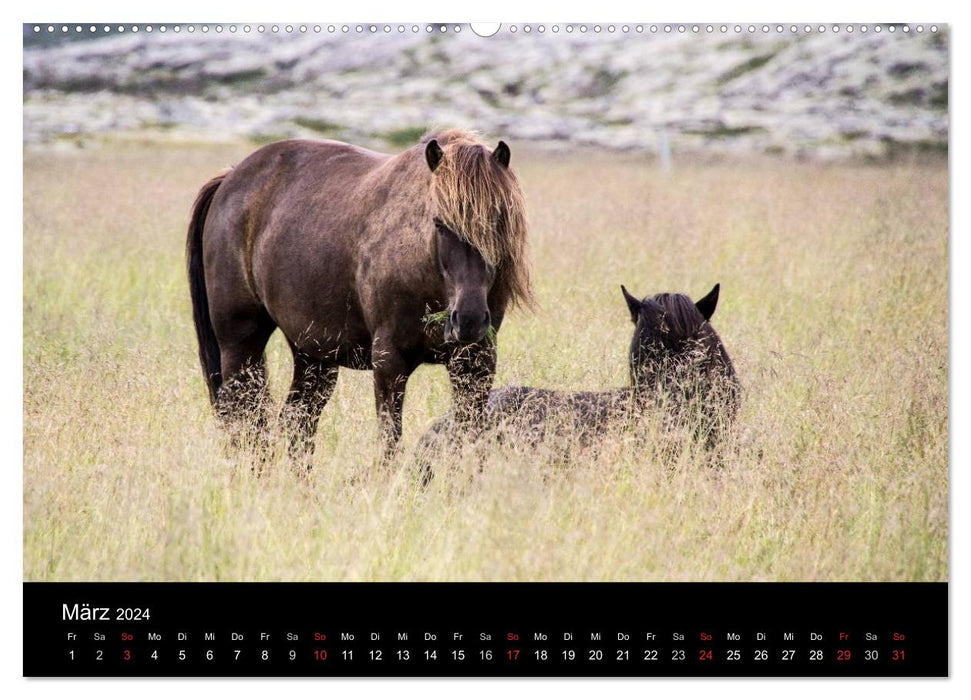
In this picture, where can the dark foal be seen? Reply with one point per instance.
(677, 363)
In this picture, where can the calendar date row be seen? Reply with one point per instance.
(429, 655)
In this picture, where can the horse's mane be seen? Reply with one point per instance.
(686, 323)
(481, 201)
(680, 313)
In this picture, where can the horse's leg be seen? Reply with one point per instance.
(471, 371)
(391, 372)
(242, 399)
(313, 384)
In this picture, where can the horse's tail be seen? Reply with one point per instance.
(208, 346)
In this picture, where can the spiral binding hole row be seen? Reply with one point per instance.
(456, 28)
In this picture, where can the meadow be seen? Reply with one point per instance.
(834, 307)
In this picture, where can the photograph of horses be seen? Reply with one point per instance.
(567, 303)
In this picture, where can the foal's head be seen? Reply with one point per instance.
(480, 233)
(674, 340)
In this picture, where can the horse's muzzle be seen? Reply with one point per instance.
(467, 328)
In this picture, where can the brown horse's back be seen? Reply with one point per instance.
(296, 230)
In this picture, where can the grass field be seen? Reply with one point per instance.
(833, 306)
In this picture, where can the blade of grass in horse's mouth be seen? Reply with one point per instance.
(442, 316)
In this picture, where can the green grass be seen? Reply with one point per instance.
(726, 132)
(401, 138)
(744, 67)
(833, 306)
(321, 126)
(438, 318)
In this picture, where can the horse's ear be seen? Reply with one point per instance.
(433, 154)
(707, 304)
(501, 154)
(633, 303)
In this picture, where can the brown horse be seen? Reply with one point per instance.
(677, 363)
(349, 252)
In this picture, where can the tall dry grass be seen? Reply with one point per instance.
(833, 306)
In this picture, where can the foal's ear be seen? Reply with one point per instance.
(707, 304)
(633, 303)
(501, 154)
(433, 154)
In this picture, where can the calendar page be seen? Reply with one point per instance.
(544, 349)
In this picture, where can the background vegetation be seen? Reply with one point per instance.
(834, 308)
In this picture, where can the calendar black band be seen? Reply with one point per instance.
(485, 629)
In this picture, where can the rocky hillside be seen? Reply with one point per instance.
(820, 95)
